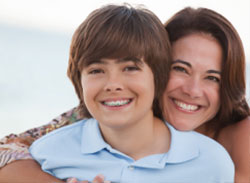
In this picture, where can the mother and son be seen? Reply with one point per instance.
(143, 88)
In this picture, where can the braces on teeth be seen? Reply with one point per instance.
(116, 103)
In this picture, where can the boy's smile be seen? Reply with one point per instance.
(116, 103)
(119, 92)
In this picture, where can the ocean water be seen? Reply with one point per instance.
(34, 87)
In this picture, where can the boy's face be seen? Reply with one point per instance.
(118, 92)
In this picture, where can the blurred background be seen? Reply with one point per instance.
(34, 46)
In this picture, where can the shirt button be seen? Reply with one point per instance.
(131, 167)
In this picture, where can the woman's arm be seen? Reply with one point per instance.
(15, 147)
(27, 171)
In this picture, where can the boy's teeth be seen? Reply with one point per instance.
(186, 106)
(116, 103)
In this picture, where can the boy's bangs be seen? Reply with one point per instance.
(118, 45)
(126, 47)
(116, 40)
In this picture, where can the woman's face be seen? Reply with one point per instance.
(192, 94)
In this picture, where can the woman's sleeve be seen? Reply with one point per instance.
(16, 147)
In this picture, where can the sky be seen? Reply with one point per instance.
(35, 37)
(66, 15)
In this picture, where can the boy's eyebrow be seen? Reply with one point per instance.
(127, 59)
(97, 62)
(182, 62)
(189, 65)
(92, 62)
(121, 60)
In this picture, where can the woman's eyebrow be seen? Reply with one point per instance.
(214, 72)
(182, 62)
(189, 65)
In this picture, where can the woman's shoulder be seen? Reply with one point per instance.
(243, 125)
(235, 134)
(236, 139)
(240, 138)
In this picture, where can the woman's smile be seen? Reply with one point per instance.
(185, 106)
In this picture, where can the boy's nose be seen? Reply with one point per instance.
(114, 83)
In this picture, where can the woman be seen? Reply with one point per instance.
(230, 123)
(193, 86)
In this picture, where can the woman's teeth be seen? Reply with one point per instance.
(185, 106)
(116, 103)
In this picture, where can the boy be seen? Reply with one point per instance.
(119, 60)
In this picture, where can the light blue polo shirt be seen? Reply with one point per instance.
(78, 150)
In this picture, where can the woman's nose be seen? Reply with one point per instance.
(193, 88)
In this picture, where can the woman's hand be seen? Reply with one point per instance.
(98, 179)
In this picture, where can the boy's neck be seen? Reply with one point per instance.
(141, 140)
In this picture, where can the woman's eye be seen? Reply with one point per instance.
(213, 78)
(179, 69)
(96, 71)
(131, 68)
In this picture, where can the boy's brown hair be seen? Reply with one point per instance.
(118, 31)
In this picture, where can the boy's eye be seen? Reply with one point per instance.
(95, 71)
(213, 78)
(131, 68)
(179, 69)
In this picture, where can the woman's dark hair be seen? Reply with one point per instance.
(188, 21)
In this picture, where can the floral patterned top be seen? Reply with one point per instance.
(16, 147)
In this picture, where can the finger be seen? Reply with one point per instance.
(72, 180)
(98, 179)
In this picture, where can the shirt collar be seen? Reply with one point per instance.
(183, 147)
(92, 140)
